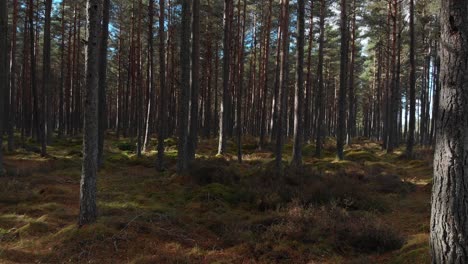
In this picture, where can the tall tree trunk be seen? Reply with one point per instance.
(37, 130)
(102, 102)
(13, 89)
(263, 129)
(162, 83)
(61, 123)
(319, 105)
(139, 83)
(343, 82)
(46, 80)
(46, 120)
(308, 94)
(150, 88)
(88, 188)
(184, 96)
(412, 86)
(3, 71)
(449, 217)
(224, 114)
(193, 136)
(241, 79)
(299, 92)
(352, 105)
(282, 95)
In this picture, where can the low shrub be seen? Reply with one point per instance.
(217, 170)
(126, 146)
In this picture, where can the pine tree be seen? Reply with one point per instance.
(299, 91)
(449, 218)
(88, 188)
(3, 71)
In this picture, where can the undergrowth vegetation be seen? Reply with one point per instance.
(372, 207)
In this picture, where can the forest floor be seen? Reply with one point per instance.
(371, 208)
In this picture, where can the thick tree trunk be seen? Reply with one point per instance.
(299, 92)
(193, 135)
(263, 128)
(283, 86)
(449, 218)
(88, 188)
(343, 82)
(102, 102)
(319, 105)
(36, 131)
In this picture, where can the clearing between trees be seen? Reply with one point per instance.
(372, 207)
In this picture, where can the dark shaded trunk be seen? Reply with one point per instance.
(13, 85)
(319, 105)
(299, 91)
(150, 74)
(3, 72)
(449, 217)
(46, 120)
(37, 131)
(193, 133)
(162, 83)
(266, 62)
(283, 86)
(61, 123)
(102, 102)
(241, 34)
(184, 96)
(412, 86)
(340, 140)
(88, 188)
(308, 124)
(224, 114)
(352, 102)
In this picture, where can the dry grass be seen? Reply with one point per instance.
(353, 211)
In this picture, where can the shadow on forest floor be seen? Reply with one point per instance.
(371, 208)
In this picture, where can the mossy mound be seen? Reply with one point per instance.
(415, 251)
(360, 156)
(34, 228)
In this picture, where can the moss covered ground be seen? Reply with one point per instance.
(371, 208)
